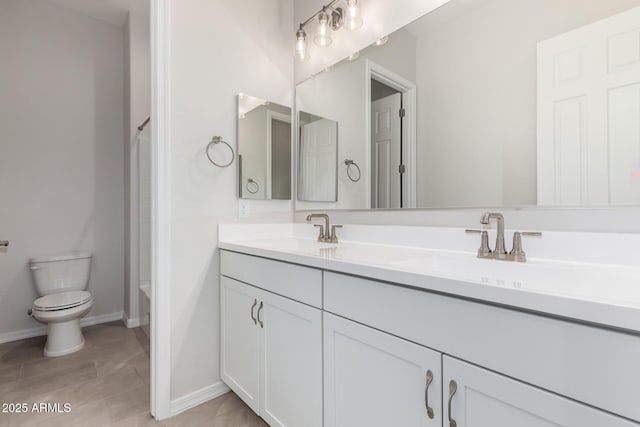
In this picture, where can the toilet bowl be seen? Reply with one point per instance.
(61, 282)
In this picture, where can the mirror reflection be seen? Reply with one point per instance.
(264, 147)
(318, 150)
(496, 103)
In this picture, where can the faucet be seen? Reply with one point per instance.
(327, 233)
(499, 251)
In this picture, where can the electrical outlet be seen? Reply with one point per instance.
(243, 208)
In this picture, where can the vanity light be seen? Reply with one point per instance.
(302, 53)
(353, 56)
(353, 20)
(322, 37)
(381, 41)
(330, 18)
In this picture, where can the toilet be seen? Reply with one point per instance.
(61, 281)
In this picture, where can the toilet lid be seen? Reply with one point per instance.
(61, 300)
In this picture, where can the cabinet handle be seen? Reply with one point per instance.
(426, 394)
(453, 387)
(259, 310)
(255, 302)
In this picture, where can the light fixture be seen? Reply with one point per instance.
(330, 17)
(381, 41)
(353, 18)
(302, 53)
(322, 37)
(353, 56)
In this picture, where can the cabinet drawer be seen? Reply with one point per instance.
(588, 364)
(298, 283)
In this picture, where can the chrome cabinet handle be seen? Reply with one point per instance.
(426, 394)
(4, 243)
(453, 387)
(260, 310)
(255, 302)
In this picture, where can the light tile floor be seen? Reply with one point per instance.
(106, 384)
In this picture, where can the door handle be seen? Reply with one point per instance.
(4, 243)
(453, 387)
(426, 394)
(259, 311)
(253, 317)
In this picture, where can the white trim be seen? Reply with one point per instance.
(42, 330)
(409, 90)
(198, 397)
(130, 323)
(271, 116)
(160, 209)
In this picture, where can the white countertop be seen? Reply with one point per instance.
(605, 294)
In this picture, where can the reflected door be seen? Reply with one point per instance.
(589, 114)
(386, 156)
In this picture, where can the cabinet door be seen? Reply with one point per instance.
(291, 366)
(240, 341)
(375, 379)
(482, 398)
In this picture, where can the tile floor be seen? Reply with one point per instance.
(106, 384)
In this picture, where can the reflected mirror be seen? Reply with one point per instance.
(318, 151)
(500, 103)
(264, 149)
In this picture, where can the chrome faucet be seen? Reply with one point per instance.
(517, 253)
(327, 233)
(499, 251)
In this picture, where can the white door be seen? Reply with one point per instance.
(240, 341)
(385, 152)
(291, 344)
(375, 379)
(589, 114)
(481, 398)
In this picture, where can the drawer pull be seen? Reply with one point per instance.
(453, 387)
(259, 311)
(255, 302)
(426, 394)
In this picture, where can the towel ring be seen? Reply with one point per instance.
(252, 189)
(218, 140)
(350, 163)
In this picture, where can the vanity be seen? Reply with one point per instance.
(360, 333)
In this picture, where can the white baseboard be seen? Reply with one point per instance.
(130, 323)
(198, 397)
(42, 330)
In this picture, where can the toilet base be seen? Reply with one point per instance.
(64, 338)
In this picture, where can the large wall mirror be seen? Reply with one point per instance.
(500, 103)
(264, 149)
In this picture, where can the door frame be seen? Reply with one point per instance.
(408, 89)
(271, 116)
(160, 209)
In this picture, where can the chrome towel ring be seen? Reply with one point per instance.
(253, 189)
(349, 164)
(215, 141)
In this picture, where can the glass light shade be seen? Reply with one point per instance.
(381, 41)
(322, 37)
(301, 53)
(353, 18)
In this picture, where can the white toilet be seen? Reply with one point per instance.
(61, 282)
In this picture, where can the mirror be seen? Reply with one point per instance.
(264, 149)
(500, 103)
(318, 153)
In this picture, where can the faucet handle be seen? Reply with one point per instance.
(334, 238)
(483, 251)
(517, 252)
(321, 237)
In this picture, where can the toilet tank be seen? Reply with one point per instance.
(61, 273)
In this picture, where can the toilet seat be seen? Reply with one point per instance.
(61, 301)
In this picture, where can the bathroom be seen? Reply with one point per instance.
(400, 316)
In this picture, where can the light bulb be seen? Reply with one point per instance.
(301, 53)
(382, 41)
(322, 37)
(353, 56)
(353, 19)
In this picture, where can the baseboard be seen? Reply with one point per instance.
(131, 323)
(42, 330)
(198, 397)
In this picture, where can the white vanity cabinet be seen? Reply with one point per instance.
(377, 380)
(271, 351)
